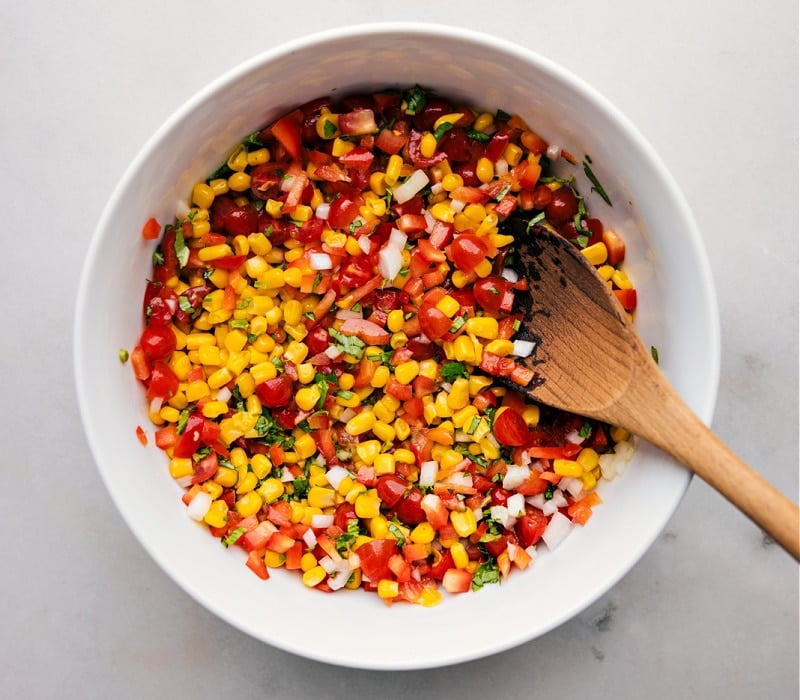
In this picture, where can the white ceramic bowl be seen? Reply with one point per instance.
(677, 313)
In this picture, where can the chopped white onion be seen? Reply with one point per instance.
(478, 512)
(461, 436)
(321, 520)
(397, 239)
(501, 167)
(436, 187)
(199, 506)
(571, 485)
(390, 262)
(523, 348)
(459, 479)
(287, 182)
(347, 414)
(332, 351)
(574, 437)
(185, 482)
(537, 500)
(516, 505)
(182, 209)
(515, 476)
(553, 152)
(155, 404)
(417, 180)
(365, 244)
(310, 538)
(457, 205)
(339, 576)
(531, 551)
(320, 261)
(556, 502)
(615, 463)
(335, 476)
(557, 530)
(322, 211)
(328, 564)
(427, 473)
(286, 475)
(502, 516)
(430, 221)
(510, 274)
(223, 394)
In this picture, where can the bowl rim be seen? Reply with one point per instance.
(415, 29)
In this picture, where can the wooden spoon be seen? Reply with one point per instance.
(589, 360)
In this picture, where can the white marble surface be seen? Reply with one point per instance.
(711, 611)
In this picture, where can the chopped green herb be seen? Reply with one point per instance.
(268, 231)
(328, 129)
(517, 325)
(244, 303)
(487, 572)
(441, 130)
(233, 537)
(398, 534)
(185, 305)
(473, 426)
(549, 491)
(278, 362)
(348, 344)
(355, 225)
(596, 186)
(478, 135)
(451, 371)
(158, 258)
(535, 220)
(123, 355)
(240, 323)
(356, 306)
(182, 420)
(344, 394)
(502, 116)
(503, 192)
(322, 384)
(251, 143)
(310, 315)
(458, 323)
(347, 539)
(238, 399)
(415, 100)
(181, 249)
(300, 487)
(654, 353)
(586, 430)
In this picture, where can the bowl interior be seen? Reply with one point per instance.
(677, 314)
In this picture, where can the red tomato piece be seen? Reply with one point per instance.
(490, 293)
(371, 333)
(359, 121)
(530, 527)
(510, 428)
(188, 441)
(157, 342)
(151, 229)
(163, 383)
(467, 251)
(627, 297)
(391, 489)
(433, 322)
(256, 564)
(409, 507)
(205, 468)
(457, 581)
(287, 132)
(275, 392)
(374, 557)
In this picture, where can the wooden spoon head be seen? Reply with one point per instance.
(585, 348)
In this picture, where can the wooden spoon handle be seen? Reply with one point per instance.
(674, 428)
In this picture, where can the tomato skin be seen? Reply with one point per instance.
(626, 297)
(287, 131)
(490, 293)
(433, 322)
(510, 428)
(530, 527)
(467, 251)
(157, 342)
(151, 229)
(374, 557)
(275, 392)
(163, 383)
(409, 508)
(342, 212)
(318, 340)
(391, 489)
(205, 468)
(188, 441)
(562, 207)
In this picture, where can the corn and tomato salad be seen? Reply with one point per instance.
(330, 348)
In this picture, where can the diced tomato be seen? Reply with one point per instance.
(467, 251)
(391, 489)
(390, 142)
(457, 581)
(359, 121)
(369, 332)
(189, 440)
(165, 437)
(626, 297)
(275, 392)
(403, 392)
(434, 323)
(615, 246)
(151, 229)
(141, 368)
(374, 557)
(256, 564)
(510, 428)
(409, 507)
(205, 468)
(287, 131)
(163, 383)
(530, 527)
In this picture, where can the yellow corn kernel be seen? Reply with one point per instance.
(315, 575)
(302, 213)
(388, 589)
(484, 170)
(381, 377)
(235, 340)
(443, 212)
(589, 481)
(197, 390)
(567, 467)
(448, 306)
(260, 464)
(483, 268)
(481, 431)
(512, 154)
(429, 368)
(219, 186)
(596, 254)
(327, 125)
(220, 378)
(384, 463)
(308, 561)
(531, 415)
(461, 279)
(402, 429)
(258, 157)
(395, 320)
(393, 168)
(398, 340)
(249, 504)
(500, 347)
(477, 383)
(429, 410)
(406, 372)
(305, 446)
(272, 278)
(217, 514)
(488, 448)
(383, 431)
(463, 417)
(368, 505)
(247, 481)
(214, 252)
(255, 266)
(483, 122)
(449, 459)
(458, 397)
(263, 371)
(340, 147)
(208, 355)
(202, 195)
(169, 414)
(463, 349)
(620, 279)
(606, 272)
(273, 559)
(379, 528)
(460, 556)
(427, 145)
(368, 450)
(588, 458)
(482, 327)
(271, 490)
(441, 405)
(423, 534)
(307, 397)
(618, 434)
(214, 409)
(377, 184)
(239, 182)
(226, 477)
(463, 522)
(253, 405)
(321, 497)
(180, 467)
